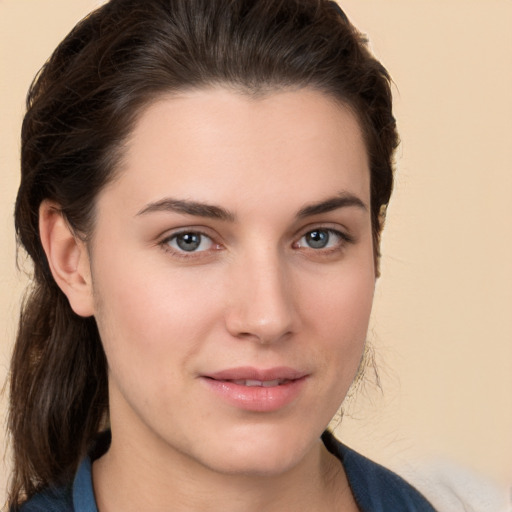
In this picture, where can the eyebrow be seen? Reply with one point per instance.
(343, 200)
(195, 208)
(199, 209)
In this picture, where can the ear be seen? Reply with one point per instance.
(67, 257)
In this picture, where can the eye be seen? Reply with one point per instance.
(322, 239)
(189, 241)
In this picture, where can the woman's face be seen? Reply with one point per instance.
(232, 276)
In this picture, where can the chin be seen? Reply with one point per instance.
(263, 453)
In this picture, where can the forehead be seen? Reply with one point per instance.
(299, 144)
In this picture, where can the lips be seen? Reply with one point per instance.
(257, 390)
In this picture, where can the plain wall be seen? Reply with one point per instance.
(442, 322)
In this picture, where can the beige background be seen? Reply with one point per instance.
(442, 324)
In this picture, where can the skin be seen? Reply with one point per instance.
(256, 292)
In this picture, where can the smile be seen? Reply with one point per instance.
(257, 390)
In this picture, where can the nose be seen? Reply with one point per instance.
(261, 304)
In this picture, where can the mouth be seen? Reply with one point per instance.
(255, 389)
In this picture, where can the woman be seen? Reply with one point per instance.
(204, 185)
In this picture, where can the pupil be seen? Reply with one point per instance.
(317, 239)
(188, 241)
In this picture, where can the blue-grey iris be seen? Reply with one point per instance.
(317, 239)
(188, 241)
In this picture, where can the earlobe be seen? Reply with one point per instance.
(67, 257)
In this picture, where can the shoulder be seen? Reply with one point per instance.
(50, 500)
(376, 488)
(78, 496)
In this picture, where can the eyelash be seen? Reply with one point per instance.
(344, 239)
(181, 253)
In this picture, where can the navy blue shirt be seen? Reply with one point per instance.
(375, 488)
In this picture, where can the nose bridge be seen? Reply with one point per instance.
(261, 305)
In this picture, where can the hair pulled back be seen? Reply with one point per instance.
(80, 109)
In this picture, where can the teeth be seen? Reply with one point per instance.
(251, 383)
(261, 383)
(271, 383)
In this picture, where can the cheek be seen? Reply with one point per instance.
(152, 317)
(339, 312)
(341, 302)
(152, 331)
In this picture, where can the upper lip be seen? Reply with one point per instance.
(261, 374)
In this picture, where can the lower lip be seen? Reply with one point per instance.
(256, 398)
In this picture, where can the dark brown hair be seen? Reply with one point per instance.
(81, 108)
